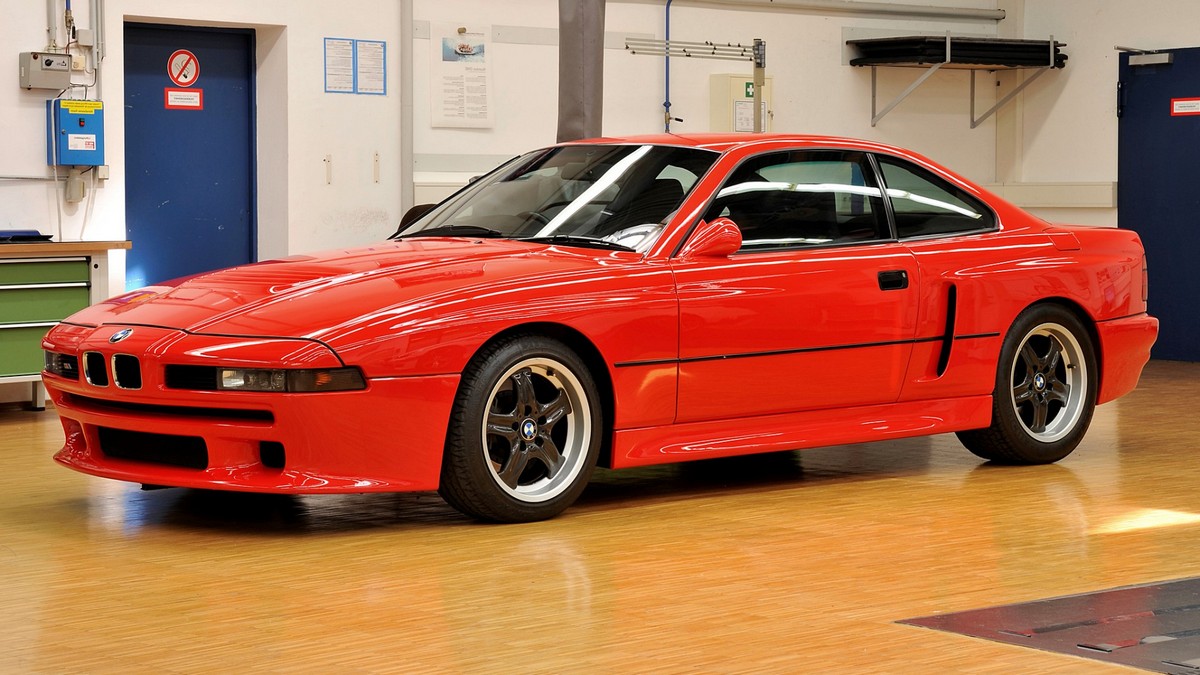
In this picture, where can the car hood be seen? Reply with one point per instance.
(312, 295)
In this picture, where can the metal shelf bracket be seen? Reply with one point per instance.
(1000, 104)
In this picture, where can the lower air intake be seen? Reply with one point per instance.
(189, 452)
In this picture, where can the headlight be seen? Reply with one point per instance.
(254, 379)
(62, 365)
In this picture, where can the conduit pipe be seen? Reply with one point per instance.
(51, 25)
(857, 7)
(667, 70)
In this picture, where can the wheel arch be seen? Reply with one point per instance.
(592, 358)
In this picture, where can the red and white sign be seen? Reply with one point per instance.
(1185, 106)
(183, 99)
(183, 68)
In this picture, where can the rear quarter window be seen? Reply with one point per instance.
(926, 205)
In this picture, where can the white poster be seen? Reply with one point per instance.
(370, 67)
(339, 65)
(461, 81)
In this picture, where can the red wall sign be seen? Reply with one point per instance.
(183, 68)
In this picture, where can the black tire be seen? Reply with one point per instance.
(524, 432)
(1045, 390)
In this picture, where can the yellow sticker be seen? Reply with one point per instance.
(81, 107)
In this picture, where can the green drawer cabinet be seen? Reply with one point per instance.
(41, 284)
(34, 295)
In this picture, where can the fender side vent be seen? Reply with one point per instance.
(948, 335)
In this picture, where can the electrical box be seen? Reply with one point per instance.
(75, 132)
(42, 70)
(731, 103)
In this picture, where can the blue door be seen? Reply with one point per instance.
(189, 150)
(1158, 189)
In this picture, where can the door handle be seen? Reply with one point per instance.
(893, 280)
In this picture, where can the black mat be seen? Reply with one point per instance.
(981, 52)
(1155, 627)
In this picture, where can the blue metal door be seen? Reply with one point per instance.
(189, 150)
(1158, 189)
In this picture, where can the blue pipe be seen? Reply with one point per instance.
(667, 72)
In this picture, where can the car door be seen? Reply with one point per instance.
(818, 308)
(962, 259)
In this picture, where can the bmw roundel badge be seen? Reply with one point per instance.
(121, 335)
(529, 430)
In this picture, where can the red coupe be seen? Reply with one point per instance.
(620, 302)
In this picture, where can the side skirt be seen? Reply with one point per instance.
(796, 431)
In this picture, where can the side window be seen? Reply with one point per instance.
(802, 198)
(924, 204)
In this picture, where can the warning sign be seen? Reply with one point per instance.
(183, 68)
(183, 99)
(77, 107)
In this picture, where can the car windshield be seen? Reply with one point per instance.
(613, 196)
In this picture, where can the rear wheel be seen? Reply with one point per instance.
(524, 432)
(1045, 390)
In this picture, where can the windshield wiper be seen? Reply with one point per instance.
(576, 240)
(455, 231)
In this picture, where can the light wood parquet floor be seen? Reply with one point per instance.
(787, 563)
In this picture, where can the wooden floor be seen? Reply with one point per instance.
(797, 562)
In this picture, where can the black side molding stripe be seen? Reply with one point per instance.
(804, 350)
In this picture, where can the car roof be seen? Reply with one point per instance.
(723, 142)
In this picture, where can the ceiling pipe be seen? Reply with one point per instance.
(856, 7)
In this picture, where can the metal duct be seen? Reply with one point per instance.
(580, 68)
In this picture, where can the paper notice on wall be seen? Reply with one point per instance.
(743, 115)
(339, 65)
(370, 66)
(461, 81)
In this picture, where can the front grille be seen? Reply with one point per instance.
(217, 414)
(201, 378)
(93, 369)
(189, 452)
(127, 372)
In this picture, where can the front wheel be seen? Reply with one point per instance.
(524, 432)
(1045, 390)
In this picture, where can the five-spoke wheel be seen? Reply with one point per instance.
(525, 432)
(1045, 390)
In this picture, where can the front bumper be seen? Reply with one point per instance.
(387, 437)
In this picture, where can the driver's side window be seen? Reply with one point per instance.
(803, 198)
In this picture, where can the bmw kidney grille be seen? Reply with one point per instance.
(126, 370)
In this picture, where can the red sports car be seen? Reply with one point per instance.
(624, 302)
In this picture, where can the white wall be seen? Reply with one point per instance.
(298, 123)
(814, 91)
(1070, 122)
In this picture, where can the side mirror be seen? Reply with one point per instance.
(413, 214)
(718, 239)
